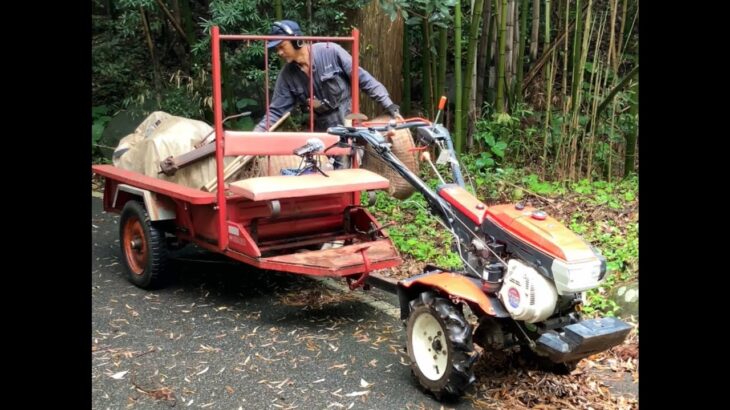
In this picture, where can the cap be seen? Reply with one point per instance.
(284, 28)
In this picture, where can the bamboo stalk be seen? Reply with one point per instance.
(595, 95)
(150, 45)
(564, 79)
(509, 46)
(521, 52)
(549, 85)
(588, 30)
(457, 74)
(467, 103)
(483, 56)
(501, 63)
(535, 29)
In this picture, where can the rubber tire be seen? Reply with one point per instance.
(148, 269)
(459, 373)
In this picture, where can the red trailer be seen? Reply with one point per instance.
(270, 222)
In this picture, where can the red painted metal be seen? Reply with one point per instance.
(355, 76)
(465, 202)
(548, 235)
(361, 280)
(271, 38)
(275, 143)
(171, 189)
(262, 232)
(135, 245)
(355, 87)
(219, 140)
(311, 89)
(455, 285)
(266, 82)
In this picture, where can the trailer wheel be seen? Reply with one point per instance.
(144, 250)
(440, 346)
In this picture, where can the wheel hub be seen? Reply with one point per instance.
(429, 346)
(135, 248)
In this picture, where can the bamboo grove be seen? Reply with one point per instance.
(551, 85)
(552, 82)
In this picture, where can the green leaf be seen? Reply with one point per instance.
(489, 138)
(96, 130)
(498, 148)
(246, 102)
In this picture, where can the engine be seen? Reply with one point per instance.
(527, 295)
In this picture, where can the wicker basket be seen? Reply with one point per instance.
(402, 145)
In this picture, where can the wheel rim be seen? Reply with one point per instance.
(135, 246)
(429, 346)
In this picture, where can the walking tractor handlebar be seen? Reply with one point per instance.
(370, 133)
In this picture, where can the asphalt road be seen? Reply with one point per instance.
(226, 336)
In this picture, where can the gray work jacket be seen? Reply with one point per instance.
(331, 69)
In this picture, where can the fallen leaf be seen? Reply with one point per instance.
(357, 393)
(202, 371)
(119, 376)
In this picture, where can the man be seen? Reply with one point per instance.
(331, 70)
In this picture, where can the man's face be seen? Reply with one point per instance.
(286, 51)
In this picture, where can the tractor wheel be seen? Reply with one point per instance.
(440, 346)
(144, 249)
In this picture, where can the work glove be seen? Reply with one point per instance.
(394, 111)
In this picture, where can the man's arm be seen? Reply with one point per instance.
(281, 103)
(368, 83)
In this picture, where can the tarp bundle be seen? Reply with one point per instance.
(162, 135)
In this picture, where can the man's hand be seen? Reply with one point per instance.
(394, 111)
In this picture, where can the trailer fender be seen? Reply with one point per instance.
(454, 285)
(159, 208)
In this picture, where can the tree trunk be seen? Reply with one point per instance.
(521, 52)
(509, 46)
(441, 77)
(406, 72)
(564, 79)
(155, 64)
(580, 69)
(632, 137)
(277, 10)
(587, 149)
(502, 57)
(471, 61)
(483, 55)
(309, 12)
(378, 54)
(612, 60)
(549, 86)
(535, 29)
(458, 135)
(575, 60)
(620, 43)
(427, 85)
(186, 20)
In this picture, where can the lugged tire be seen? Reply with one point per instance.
(144, 250)
(449, 376)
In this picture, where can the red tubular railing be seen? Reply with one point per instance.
(216, 38)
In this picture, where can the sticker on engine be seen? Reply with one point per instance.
(513, 296)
